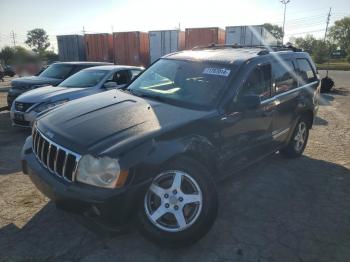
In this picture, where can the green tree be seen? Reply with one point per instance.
(321, 51)
(318, 49)
(7, 54)
(38, 40)
(23, 56)
(340, 33)
(306, 43)
(275, 30)
(49, 56)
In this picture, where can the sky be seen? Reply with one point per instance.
(74, 16)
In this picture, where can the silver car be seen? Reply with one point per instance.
(29, 105)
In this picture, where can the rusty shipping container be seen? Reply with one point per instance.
(164, 42)
(131, 48)
(204, 36)
(71, 48)
(99, 47)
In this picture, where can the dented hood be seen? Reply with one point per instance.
(111, 120)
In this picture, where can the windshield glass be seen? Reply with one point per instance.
(58, 71)
(85, 78)
(182, 82)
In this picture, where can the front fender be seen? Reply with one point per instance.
(148, 158)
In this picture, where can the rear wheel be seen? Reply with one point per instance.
(298, 142)
(180, 206)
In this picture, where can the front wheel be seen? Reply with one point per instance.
(180, 206)
(297, 144)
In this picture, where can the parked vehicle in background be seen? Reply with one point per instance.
(86, 82)
(164, 42)
(157, 151)
(9, 71)
(53, 75)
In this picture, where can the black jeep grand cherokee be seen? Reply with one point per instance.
(156, 150)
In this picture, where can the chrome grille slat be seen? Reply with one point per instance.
(55, 161)
(37, 145)
(49, 154)
(42, 151)
(64, 165)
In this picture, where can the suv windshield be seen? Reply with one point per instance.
(85, 78)
(182, 82)
(59, 71)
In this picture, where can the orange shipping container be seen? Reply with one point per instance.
(131, 48)
(204, 36)
(99, 47)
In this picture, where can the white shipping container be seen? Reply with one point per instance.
(165, 42)
(249, 36)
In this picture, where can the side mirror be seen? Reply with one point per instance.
(110, 85)
(249, 102)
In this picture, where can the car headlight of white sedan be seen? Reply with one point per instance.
(101, 172)
(46, 106)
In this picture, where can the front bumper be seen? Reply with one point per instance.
(109, 206)
(28, 118)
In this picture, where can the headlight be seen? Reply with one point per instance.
(43, 107)
(101, 172)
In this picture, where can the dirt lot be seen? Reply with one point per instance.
(278, 210)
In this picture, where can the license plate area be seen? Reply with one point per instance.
(19, 117)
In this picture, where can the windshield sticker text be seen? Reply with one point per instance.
(217, 71)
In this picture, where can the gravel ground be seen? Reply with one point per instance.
(277, 210)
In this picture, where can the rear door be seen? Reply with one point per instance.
(284, 97)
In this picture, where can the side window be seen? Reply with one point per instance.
(77, 69)
(284, 76)
(305, 72)
(134, 73)
(121, 77)
(258, 82)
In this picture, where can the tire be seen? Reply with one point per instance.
(197, 217)
(298, 141)
(326, 84)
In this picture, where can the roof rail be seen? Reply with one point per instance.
(266, 49)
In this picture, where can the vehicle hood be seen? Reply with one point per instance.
(27, 82)
(112, 120)
(47, 93)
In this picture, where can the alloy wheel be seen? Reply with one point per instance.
(300, 136)
(173, 201)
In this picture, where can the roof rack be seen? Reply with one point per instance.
(266, 49)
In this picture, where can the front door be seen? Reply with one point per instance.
(246, 132)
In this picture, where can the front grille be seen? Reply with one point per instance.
(22, 107)
(57, 159)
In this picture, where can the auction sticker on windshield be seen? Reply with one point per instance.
(217, 71)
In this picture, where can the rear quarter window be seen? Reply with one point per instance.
(305, 72)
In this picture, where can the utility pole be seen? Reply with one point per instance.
(83, 30)
(325, 36)
(285, 2)
(13, 36)
(328, 19)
